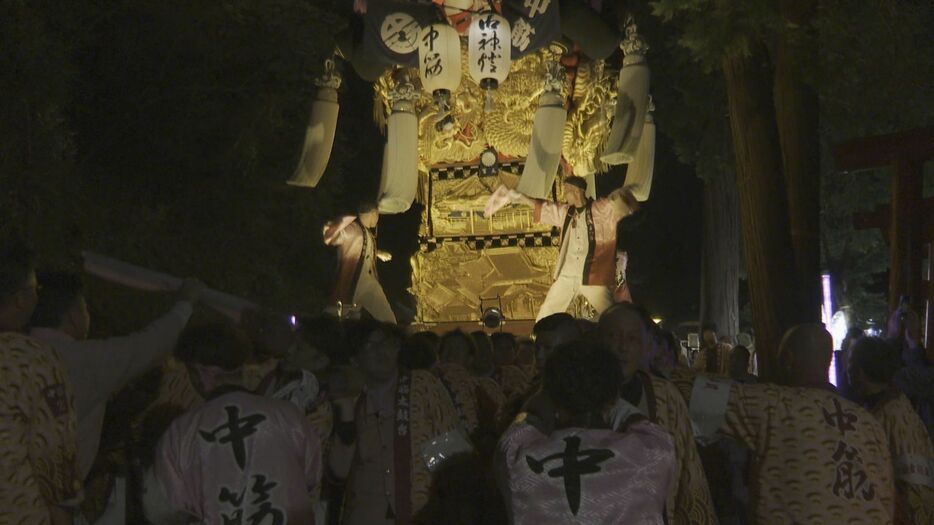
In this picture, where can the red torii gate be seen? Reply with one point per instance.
(908, 222)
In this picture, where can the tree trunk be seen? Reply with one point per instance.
(720, 254)
(796, 114)
(905, 240)
(762, 199)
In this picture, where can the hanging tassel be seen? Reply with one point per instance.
(541, 164)
(631, 100)
(383, 174)
(399, 180)
(640, 171)
(319, 135)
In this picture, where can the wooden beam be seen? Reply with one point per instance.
(884, 150)
(881, 215)
(927, 310)
(905, 225)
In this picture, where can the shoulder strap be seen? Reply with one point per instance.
(402, 448)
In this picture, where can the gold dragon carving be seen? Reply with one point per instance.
(508, 127)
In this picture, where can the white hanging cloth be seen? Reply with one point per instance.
(541, 165)
(319, 135)
(399, 181)
(640, 171)
(631, 101)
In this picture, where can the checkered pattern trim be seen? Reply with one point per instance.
(525, 240)
(464, 171)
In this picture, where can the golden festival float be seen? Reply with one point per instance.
(471, 94)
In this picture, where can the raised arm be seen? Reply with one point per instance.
(109, 364)
(334, 231)
(517, 196)
(503, 196)
(546, 212)
(917, 375)
(620, 203)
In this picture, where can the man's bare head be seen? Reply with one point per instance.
(624, 328)
(805, 354)
(551, 331)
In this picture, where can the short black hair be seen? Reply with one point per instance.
(505, 337)
(738, 353)
(419, 351)
(876, 357)
(586, 327)
(359, 332)
(577, 182)
(481, 340)
(504, 348)
(670, 339)
(457, 333)
(219, 344)
(325, 333)
(582, 376)
(16, 262)
(483, 361)
(552, 322)
(58, 293)
(740, 349)
(434, 337)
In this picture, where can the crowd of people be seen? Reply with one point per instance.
(359, 422)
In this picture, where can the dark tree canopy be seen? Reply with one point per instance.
(875, 74)
(137, 129)
(162, 134)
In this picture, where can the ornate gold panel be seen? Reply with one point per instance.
(464, 255)
(456, 206)
(450, 280)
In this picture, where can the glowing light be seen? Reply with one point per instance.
(839, 325)
(832, 371)
(657, 320)
(492, 317)
(489, 52)
(826, 314)
(827, 310)
(293, 321)
(439, 56)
